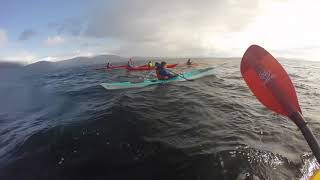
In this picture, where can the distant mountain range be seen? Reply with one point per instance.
(45, 66)
(14, 68)
(74, 62)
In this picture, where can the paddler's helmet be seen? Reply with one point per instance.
(163, 64)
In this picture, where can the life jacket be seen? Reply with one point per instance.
(159, 76)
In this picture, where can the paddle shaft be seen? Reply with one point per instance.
(298, 119)
(180, 75)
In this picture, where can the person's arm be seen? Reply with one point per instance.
(165, 72)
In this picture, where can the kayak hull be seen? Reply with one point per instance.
(117, 67)
(147, 68)
(194, 74)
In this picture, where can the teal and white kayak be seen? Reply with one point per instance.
(194, 74)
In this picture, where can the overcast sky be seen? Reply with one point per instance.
(34, 30)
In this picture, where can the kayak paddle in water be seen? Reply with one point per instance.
(272, 86)
(177, 74)
(194, 74)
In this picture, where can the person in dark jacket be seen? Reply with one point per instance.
(109, 65)
(163, 73)
(189, 62)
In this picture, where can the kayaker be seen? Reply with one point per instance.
(189, 62)
(109, 65)
(150, 65)
(130, 64)
(162, 72)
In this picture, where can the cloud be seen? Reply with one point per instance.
(20, 56)
(186, 28)
(55, 40)
(3, 37)
(27, 34)
(72, 26)
(169, 26)
(69, 55)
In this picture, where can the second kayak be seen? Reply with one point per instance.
(194, 74)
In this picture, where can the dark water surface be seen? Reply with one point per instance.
(63, 125)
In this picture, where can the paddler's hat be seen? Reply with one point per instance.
(163, 64)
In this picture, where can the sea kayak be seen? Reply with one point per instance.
(147, 68)
(112, 67)
(194, 74)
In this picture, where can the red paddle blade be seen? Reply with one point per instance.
(268, 81)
